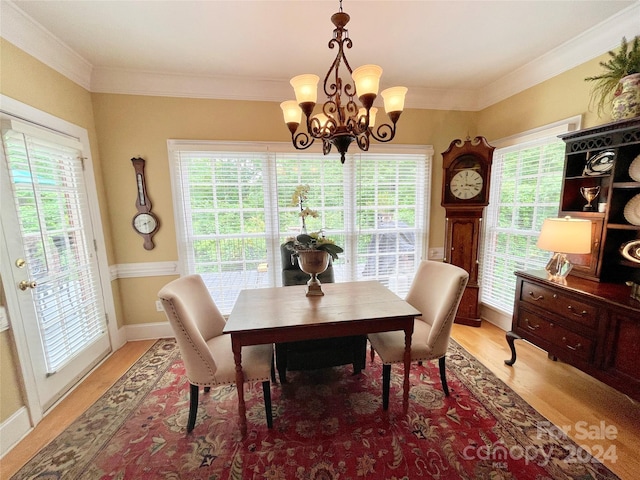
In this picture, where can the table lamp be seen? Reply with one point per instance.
(562, 236)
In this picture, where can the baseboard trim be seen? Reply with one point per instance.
(148, 331)
(498, 318)
(13, 429)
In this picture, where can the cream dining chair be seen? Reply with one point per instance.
(436, 291)
(208, 359)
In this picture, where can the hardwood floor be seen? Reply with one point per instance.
(564, 395)
(561, 393)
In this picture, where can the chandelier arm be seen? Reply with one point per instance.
(302, 141)
(363, 141)
(383, 133)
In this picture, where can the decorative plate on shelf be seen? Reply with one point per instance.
(600, 164)
(634, 169)
(632, 210)
(631, 251)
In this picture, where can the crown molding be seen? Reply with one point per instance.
(135, 82)
(28, 35)
(586, 46)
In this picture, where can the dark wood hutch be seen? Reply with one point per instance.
(592, 322)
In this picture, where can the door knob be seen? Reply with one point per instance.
(24, 284)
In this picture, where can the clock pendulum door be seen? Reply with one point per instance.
(465, 193)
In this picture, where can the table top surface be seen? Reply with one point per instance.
(282, 307)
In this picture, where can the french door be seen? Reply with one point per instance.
(46, 225)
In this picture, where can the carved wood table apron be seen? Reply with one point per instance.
(286, 314)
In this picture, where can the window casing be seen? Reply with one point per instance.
(233, 210)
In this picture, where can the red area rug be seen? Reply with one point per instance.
(328, 425)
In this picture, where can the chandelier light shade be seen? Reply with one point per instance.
(339, 121)
(563, 236)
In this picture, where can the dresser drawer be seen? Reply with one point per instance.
(567, 307)
(571, 343)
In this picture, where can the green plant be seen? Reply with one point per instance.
(625, 61)
(313, 241)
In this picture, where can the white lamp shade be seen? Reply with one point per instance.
(305, 87)
(367, 79)
(565, 235)
(372, 115)
(291, 111)
(394, 99)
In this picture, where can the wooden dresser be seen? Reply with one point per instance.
(591, 325)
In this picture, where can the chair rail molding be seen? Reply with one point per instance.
(146, 269)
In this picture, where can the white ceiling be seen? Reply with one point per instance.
(451, 54)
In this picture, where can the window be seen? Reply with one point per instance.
(233, 211)
(526, 180)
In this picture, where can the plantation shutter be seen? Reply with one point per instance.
(233, 211)
(50, 194)
(389, 221)
(525, 189)
(224, 222)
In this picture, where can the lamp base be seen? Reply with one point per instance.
(558, 268)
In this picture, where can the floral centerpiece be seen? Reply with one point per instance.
(312, 249)
(305, 241)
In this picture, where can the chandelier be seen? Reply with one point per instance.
(341, 120)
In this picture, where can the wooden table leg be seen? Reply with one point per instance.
(236, 346)
(408, 332)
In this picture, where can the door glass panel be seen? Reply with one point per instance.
(50, 200)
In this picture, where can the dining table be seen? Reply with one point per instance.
(286, 314)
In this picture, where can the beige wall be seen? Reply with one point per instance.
(558, 98)
(124, 126)
(131, 126)
(10, 393)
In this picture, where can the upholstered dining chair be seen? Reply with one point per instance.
(436, 291)
(206, 351)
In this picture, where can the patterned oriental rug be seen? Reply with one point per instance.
(328, 425)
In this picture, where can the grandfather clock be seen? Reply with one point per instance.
(465, 193)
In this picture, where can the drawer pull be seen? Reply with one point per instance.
(529, 326)
(578, 345)
(575, 312)
(539, 297)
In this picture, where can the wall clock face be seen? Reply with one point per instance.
(466, 184)
(145, 223)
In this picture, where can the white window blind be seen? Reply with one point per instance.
(234, 210)
(526, 181)
(50, 195)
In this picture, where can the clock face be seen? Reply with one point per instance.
(145, 223)
(466, 184)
